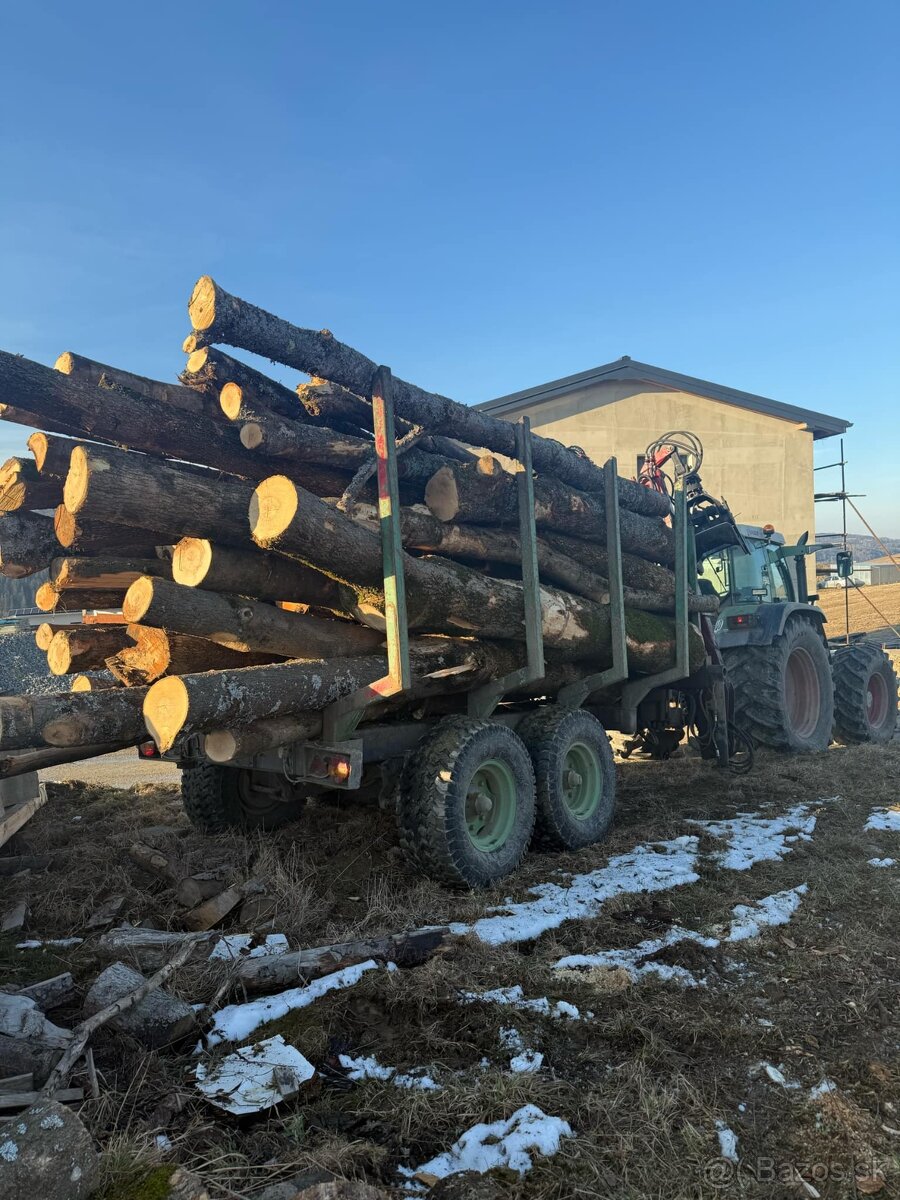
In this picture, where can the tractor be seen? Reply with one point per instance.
(791, 688)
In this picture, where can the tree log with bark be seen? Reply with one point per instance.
(483, 493)
(49, 599)
(159, 652)
(84, 647)
(51, 454)
(198, 562)
(225, 318)
(21, 486)
(104, 574)
(211, 370)
(100, 537)
(27, 544)
(72, 719)
(243, 624)
(442, 596)
(86, 370)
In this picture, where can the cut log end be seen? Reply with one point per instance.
(75, 491)
(251, 435)
(221, 746)
(231, 397)
(192, 561)
(166, 707)
(272, 508)
(65, 362)
(197, 360)
(43, 636)
(202, 306)
(442, 495)
(138, 599)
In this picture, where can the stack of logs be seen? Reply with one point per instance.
(229, 523)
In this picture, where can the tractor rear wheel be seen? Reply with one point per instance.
(783, 693)
(865, 694)
(217, 799)
(465, 804)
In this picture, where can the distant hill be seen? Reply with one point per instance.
(864, 547)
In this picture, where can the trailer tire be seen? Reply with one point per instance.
(217, 799)
(466, 803)
(865, 695)
(783, 692)
(575, 776)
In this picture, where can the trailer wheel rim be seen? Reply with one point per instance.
(491, 805)
(582, 781)
(258, 798)
(877, 702)
(803, 697)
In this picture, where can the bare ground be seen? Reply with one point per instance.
(642, 1083)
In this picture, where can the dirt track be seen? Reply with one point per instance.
(122, 770)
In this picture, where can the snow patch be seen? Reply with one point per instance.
(515, 997)
(508, 1143)
(777, 909)
(752, 838)
(776, 1075)
(526, 1063)
(237, 1021)
(882, 862)
(651, 868)
(239, 945)
(255, 1077)
(749, 922)
(884, 818)
(9, 1151)
(371, 1068)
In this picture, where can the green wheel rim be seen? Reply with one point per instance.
(491, 805)
(582, 781)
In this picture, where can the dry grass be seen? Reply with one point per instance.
(643, 1083)
(863, 617)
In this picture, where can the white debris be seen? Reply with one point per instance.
(21, 1018)
(515, 997)
(9, 1151)
(239, 945)
(751, 919)
(507, 1144)
(511, 1039)
(255, 1077)
(526, 1063)
(371, 1068)
(884, 818)
(753, 838)
(822, 1089)
(777, 1075)
(882, 862)
(163, 1142)
(61, 943)
(727, 1142)
(237, 1021)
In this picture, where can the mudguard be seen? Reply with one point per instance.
(768, 621)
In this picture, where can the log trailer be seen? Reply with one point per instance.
(475, 779)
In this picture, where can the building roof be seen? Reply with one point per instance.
(819, 424)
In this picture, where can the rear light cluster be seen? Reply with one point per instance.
(330, 766)
(741, 621)
(148, 750)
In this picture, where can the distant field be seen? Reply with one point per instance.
(863, 617)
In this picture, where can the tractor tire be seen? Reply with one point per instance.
(466, 801)
(217, 799)
(575, 776)
(783, 693)
(865, 695)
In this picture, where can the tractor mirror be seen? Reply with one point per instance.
(844, 564)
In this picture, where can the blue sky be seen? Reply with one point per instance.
(483, 195)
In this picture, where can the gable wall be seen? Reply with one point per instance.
(762, 466)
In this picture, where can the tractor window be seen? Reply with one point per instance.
(714, 574)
